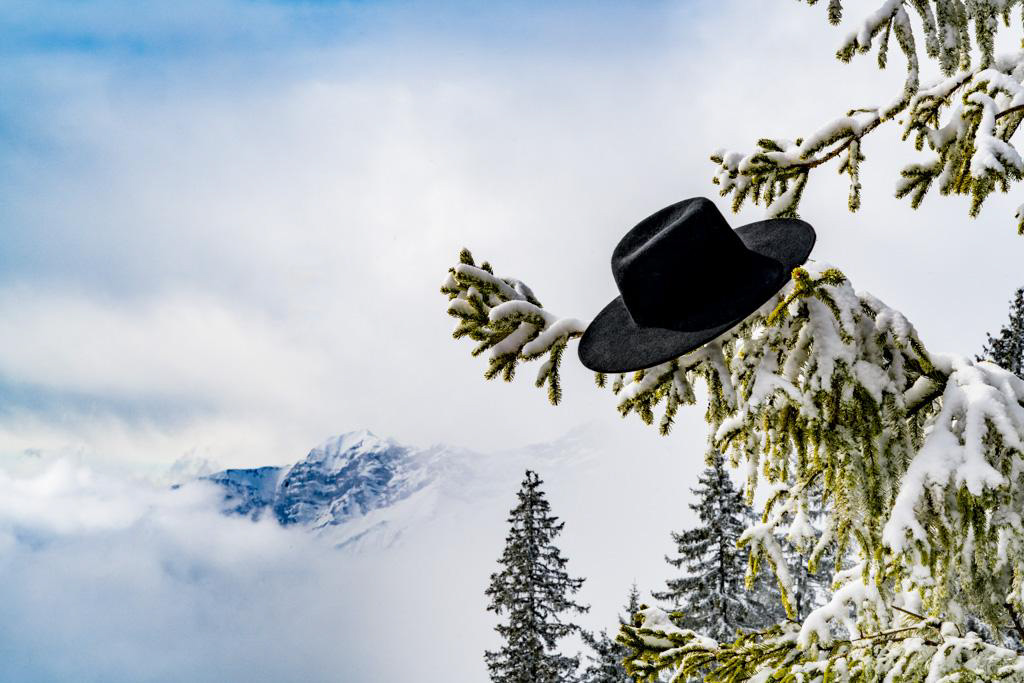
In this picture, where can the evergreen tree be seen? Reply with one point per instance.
(606, 663)
(1007, 348)
(710, 594)
(534, 590)
(918, 459)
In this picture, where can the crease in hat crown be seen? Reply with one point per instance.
(685, 277)
(682, 251)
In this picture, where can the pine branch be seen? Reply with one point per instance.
(508, 321)
(1011, 110)
(973, 148)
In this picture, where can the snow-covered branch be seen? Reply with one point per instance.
(928, 650)
(968, 118)
(508, 321)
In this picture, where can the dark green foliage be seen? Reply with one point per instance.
(533, 591)
(711, 595)
(1006, 349)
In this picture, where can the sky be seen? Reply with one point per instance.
(225, 223)
(223, 226)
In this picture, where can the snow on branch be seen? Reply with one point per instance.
(968, 118)
(508, 321)
(926, 650)
(973, 153)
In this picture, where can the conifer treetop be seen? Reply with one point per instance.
(606, 665)
(1006, 349)
(967, 118)
(533, 591)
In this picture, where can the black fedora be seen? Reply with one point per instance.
(685, 277)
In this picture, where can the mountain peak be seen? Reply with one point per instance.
(345, 477)
(338, 450)
(364, 489)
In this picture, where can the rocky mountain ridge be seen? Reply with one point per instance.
(359, 489)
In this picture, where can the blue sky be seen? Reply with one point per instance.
(74, 68)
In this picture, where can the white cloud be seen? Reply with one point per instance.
(174, 349)
(108, 577)
(295, 221)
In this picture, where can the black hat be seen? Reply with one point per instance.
(685, 277)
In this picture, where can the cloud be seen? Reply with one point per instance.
(105, 576)
(109, 579)
(292, 204)
(170, 349)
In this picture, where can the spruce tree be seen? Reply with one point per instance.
(606, 663)
(1007, 348)
(534, 591)
(710, 594)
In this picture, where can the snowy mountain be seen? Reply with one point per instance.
(359, 490)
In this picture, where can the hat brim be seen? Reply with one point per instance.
(613, 342)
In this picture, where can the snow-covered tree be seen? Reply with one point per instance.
(967, 117)
(534, 590)
(709, 595)
(605, 662)
(918, 458)
(1006, 349)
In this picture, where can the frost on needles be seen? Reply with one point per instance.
(966, 118)
(827, 398)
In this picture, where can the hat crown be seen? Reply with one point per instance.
(686, 252)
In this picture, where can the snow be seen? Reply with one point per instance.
(517, 307)
(977, 396)
(817, 626)
(560, 329)
(800, 531)
(461, 307)
(482, 275)
(359, 491)
(515, 341)
(874, 21)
